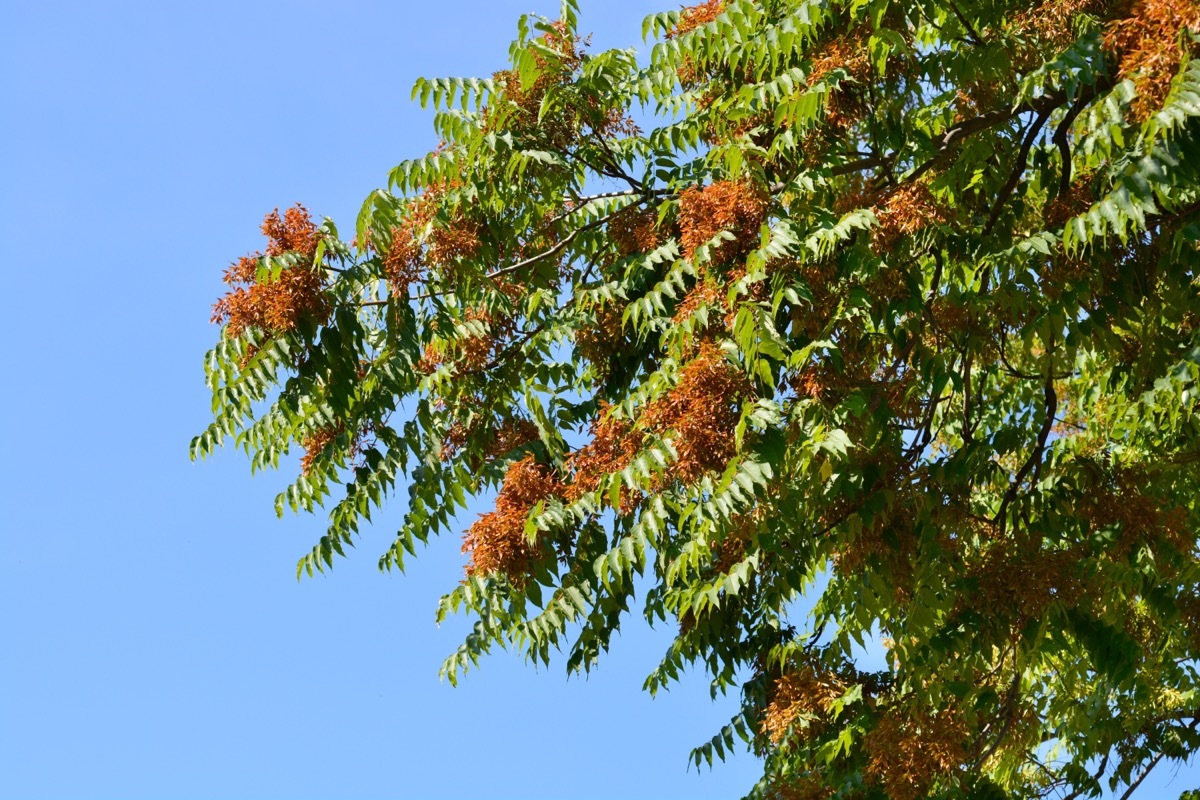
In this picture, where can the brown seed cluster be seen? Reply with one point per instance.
(807, 787)
(1076, 200)
(496, 542)
(1022, 586)
(420, 242)
(975, 97)
(706, 292)
(474, 352)
(739, 538)
(315, 443)
(1150, 47)
(478, 351)
(403, 263)
(431, 359)
(908, 210)
(853, 195)
(804, 693)
(844, 105)
(1140, 518)
(275, 306)
(524, 101)
(613, 446)
(692, 17)
(719, 128)
(1189, 617)
(703, 411)
(598, 343)
(634, 231)
(909, 750)
(734, 206)
(1049, 27)
(500, 440)
(616, 123)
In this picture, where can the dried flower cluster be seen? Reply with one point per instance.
(806, 787)
(500, 440)
(316, 442)
(908, 210)
(706, 293)
(804, 693)
(276, 306)
(1016, 585)
(702, 410)
(614, 444)
(692, 17)
(477, 351)
(1048, 28)
(635, 230)
(599, 342)
(734, 206)
(909, 750)
(431, 359)
(844, 105)
(1123, 504)
(496, 543)
(420, 242)
(522, 108)
(1071, 203)
(1150, 46)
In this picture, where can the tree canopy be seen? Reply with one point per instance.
(835, 322)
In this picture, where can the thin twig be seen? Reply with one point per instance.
(555, 250)
(1153, 763)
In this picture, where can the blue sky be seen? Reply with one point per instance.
(155, 641)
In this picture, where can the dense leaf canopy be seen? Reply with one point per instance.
(838, 321)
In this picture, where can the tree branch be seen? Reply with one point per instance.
(974, 34)
(1146, 771)
(962, 130)
(1018, 168)
(553, 251)
(1064, 146)
(1035, 458)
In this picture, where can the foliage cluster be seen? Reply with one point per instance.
(892, 311)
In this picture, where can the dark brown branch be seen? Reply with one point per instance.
(1096, 777)
(1002, 351)
(1063, 144)
(556, 249)
(955, 134)
(1034, 462)
(974, 34)
(1138, 781)
(1010, 712)
(1166, 220)
(1018, 169)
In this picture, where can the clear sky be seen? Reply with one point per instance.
(154, 642)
